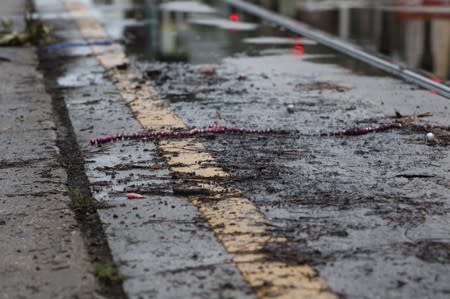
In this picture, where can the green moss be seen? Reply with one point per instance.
(82, 201)
(108, 273)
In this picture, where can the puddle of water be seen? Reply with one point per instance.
(275, 40)
(186, 7)
(416, 35)
(197, 32)
(224, 24)
(80, 79)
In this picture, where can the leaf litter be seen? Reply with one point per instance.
(35, 33)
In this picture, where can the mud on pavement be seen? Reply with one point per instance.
(369, 212)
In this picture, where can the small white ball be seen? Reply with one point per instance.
(431, 137)
(290, 108)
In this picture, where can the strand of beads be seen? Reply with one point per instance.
(149, 135)
(223, 129)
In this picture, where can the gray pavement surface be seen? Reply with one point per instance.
(370, 213)
(43, 253)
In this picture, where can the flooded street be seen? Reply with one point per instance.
(231, 158)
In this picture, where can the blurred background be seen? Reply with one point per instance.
(414, 33)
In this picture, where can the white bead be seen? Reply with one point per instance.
(290, 108)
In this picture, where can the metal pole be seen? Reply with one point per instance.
(341, 46)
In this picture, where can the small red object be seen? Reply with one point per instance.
(299, 49)
(234, 17)
(132, 195)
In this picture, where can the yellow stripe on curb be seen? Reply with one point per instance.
(235, 220)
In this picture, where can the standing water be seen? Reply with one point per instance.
(413, 33)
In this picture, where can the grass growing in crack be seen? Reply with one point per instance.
(84, 202)
(108, 273)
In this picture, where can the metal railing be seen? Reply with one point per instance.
(342, 46)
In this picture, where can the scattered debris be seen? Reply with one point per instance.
(438, 137)
(123, 66)
(132, 195)
(153, 73)
(156, 166)
(401, 121)
(191, 191)
(322, 86)
(35, 33)
(385, 127)
(405, 119)
(415, 175)
(207, 70)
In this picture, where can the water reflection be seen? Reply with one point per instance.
(414, 32)
(194, 31)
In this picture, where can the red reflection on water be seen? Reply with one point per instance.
(234, 17)
(435, 79)
(299, 49)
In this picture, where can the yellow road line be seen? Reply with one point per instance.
(243, 230)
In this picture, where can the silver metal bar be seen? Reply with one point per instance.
(341, 46)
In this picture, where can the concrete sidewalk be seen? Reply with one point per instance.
(43, 254)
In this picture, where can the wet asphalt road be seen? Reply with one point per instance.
(369, 213)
